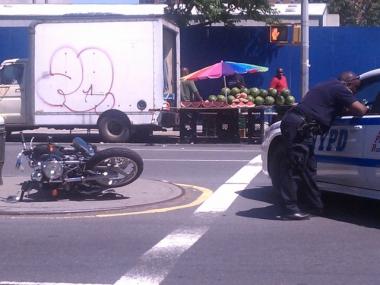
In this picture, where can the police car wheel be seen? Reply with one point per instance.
(277, 154)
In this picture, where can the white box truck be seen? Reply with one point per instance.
(108, 71)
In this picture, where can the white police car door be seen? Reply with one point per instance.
(339, 154)
(371, 155)
(370, 161)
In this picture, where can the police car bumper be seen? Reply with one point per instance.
(269, 135)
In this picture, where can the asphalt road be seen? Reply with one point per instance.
(234, 237)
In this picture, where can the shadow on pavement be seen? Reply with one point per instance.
(44, 195)
(351, 209)
(339, 207)
(263, 194)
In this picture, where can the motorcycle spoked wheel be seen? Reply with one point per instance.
(124, 162)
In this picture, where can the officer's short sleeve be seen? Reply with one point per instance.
(344, 96)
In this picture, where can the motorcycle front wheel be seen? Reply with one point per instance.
(123, 165)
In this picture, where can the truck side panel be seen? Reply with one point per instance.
(83, 69)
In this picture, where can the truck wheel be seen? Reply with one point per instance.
(114, 129)
(277, 154)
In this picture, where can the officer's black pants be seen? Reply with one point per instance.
(299, 169)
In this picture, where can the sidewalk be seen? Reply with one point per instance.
(140, 193)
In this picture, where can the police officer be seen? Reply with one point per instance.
(300, 125)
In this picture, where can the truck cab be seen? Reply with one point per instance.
(12, 90)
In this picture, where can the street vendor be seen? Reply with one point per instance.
(279, 81)
(189, 91)
(235, 80)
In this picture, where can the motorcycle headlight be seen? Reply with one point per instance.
(52, 169)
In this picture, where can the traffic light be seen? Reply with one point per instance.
(279, 34)
(296, 34)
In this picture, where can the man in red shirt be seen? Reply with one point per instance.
(279, 81)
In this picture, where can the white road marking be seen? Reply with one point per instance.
(44, 283)
(155, 264)
(226, 194)
(189, 149)
(197, 160)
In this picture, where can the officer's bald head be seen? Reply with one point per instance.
(347, 76)
(350, 79)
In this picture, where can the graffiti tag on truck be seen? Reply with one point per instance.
(75, 82)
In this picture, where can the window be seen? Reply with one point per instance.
(12, 74)
(369, 93)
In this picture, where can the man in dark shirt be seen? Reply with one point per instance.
(235, 80)
(299, 127)
(189, 91)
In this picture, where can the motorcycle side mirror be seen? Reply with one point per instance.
(31, 142)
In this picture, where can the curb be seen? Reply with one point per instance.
(140, 193)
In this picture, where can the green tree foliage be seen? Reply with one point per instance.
(356, 12)
(217, 11)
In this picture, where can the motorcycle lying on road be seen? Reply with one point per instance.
(78, 168)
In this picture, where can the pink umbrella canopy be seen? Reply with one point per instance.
(224, 68)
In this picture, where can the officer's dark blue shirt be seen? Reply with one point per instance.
(326, 101)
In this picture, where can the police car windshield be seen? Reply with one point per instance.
(369, 91)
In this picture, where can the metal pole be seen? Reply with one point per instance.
(305, 46)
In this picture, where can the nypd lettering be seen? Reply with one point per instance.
(334, 140)
(376, 144)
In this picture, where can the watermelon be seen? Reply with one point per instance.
(263, 93)
(285, 92)
(225, 91)
(272, 92)
(254, 91)
(212, 98)
(235, 91)
(269, 100)
(290, 100)
(250, 98)
(259, 101)
(221, 98)
(245, 90)
(242, 95)
(230, 99)
(280, 100)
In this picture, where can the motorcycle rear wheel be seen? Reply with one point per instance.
(125, 163)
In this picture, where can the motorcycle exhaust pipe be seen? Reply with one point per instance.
(91, 178)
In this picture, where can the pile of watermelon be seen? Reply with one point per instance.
(250, 97)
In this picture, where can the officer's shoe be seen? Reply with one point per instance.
(297, 216)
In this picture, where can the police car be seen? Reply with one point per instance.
(348, 155)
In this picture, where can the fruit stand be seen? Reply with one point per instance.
(234, 115)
